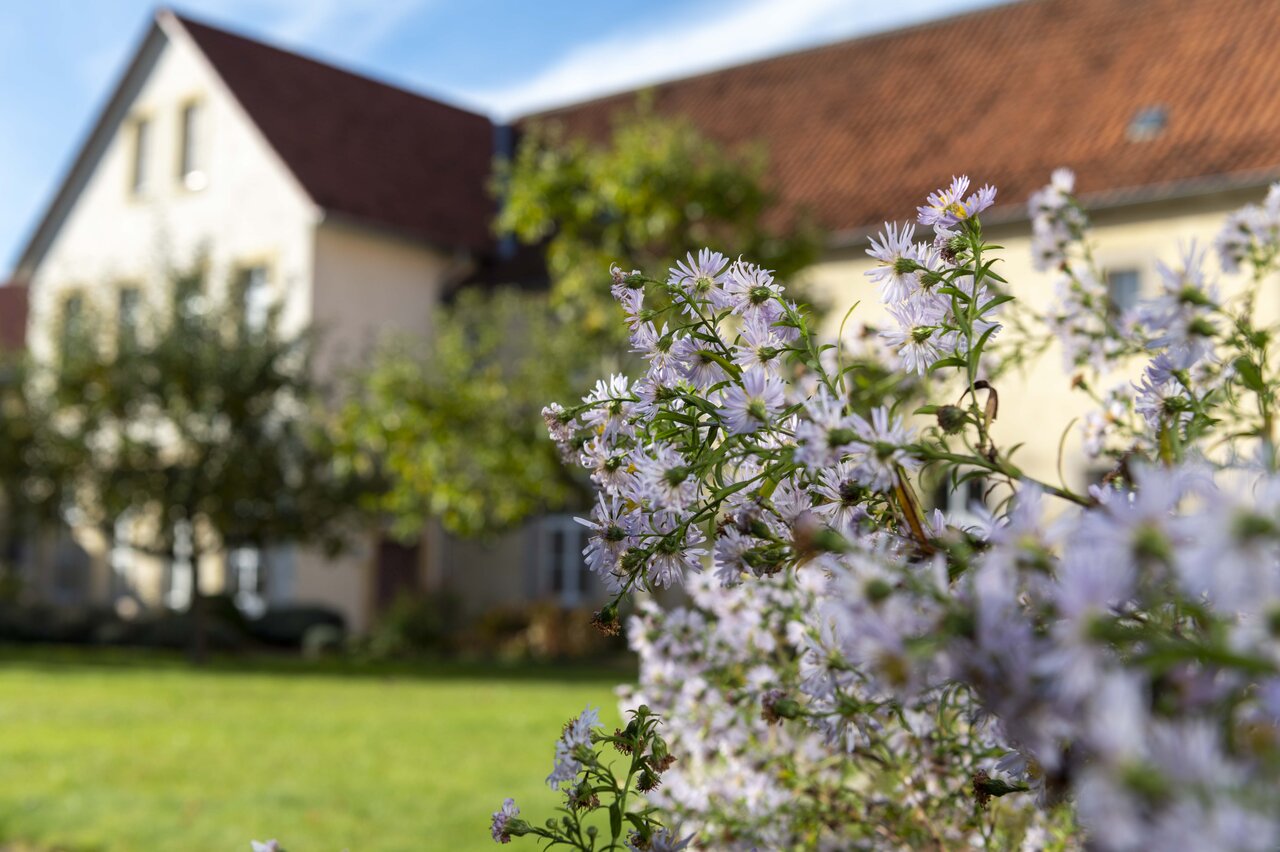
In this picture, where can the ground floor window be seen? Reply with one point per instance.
(178, 577)
(560, 566)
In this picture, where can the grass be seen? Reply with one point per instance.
(108, 750)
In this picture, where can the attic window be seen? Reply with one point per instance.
(138, 156)
(1148, 123)
(190, 167)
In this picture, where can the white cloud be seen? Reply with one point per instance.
(683, 46)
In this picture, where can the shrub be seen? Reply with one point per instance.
(1097, 669)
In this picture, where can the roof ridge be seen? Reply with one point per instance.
(187, 20)
(992, 7)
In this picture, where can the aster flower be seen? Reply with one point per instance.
(661, 841)
(664, 478)
(880, 444)
(1251, 234)
(750, 290)
(824, 438)
(700, 278)
(610, 404)
(1056, 220)
(702, 370)
(574, 740)
(947, 207)
(920, 339)
(559, 425)
(504, 819)
(676, 549)
(1162, 402)
(264, 845)
(752, 405)
(729, 555)
(897, 272)
(665, 352)
(759, 345)
(612, 528)
(842, 496)
(1181, 316)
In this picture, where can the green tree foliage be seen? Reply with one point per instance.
(36, 462)
(455, 424)
(657, 190)
(199, 419)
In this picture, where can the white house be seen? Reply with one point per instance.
(353, 204)
(358, 204)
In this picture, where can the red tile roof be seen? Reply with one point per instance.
(859, 132)
(360, 148)
(13, 316)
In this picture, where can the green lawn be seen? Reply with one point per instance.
(121, 751)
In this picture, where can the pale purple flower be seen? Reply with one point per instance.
(728, 556)
(612, 528)
(703, 371)
(675, 548)
(947, 207)
(752, 405)
(664, 477)
(610, 404)
(824, 438)
(750, 290)
(759, 345)
(920, 339)
(881, 450)
(897, 273)
(499, 828)
(700, 278)
(842, 497)
(576, 736)
(666, 352)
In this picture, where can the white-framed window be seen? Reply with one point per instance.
(140, 141)
(191, 137)
(562, 569)
(255, 297)
(962, 503)
(1124, 286)
(128, 313)
(179, 580)
(121, 556)
(257, 577)
(246, 580)
(72, 319)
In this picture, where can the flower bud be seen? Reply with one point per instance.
(951, 418)
(985, 788)
(606, 620)
(776, 706)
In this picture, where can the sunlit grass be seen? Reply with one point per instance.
(126, 752)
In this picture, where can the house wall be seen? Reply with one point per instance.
(111, 236)
(1038, 405)
(248, 210)
(367, 287)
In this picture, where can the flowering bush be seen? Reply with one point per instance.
(853, 672)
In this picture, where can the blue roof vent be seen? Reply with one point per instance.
(1148, 123)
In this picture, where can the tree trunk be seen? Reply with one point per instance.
(199, 616)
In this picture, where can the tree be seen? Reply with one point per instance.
(202, 427)
(455, 424)
(36, 460)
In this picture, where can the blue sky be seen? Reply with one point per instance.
(59, 59)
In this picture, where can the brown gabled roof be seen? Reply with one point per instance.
(858, 132)
(360, 148)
